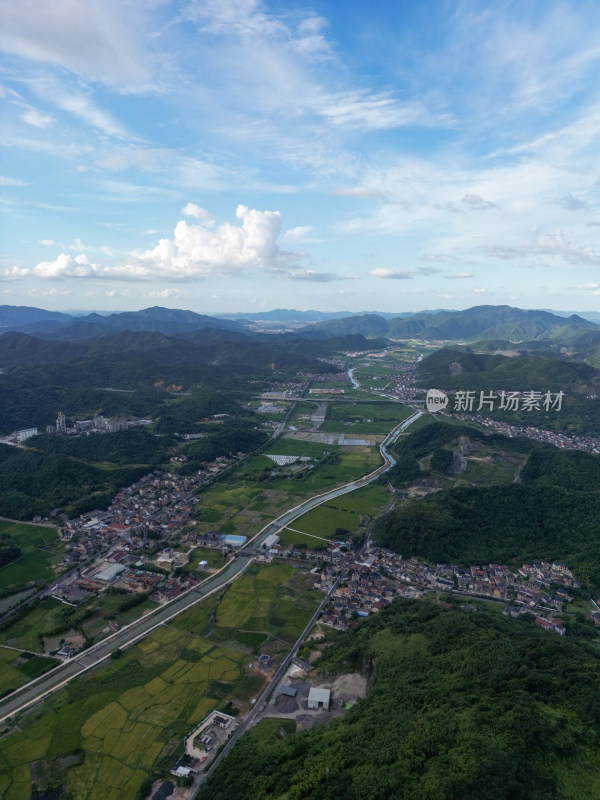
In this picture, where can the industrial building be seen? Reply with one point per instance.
(231, 540)
(319, 698)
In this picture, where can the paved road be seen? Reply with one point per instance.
(266, 693)
(59, 676)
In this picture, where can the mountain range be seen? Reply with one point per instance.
(479, 322)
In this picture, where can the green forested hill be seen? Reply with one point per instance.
(553, 512)
(463, 707)
(453, 368)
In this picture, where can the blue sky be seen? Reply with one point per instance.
(223, 155)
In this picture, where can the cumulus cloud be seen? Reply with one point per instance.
(393, 274)
(192, 210)
(195, 251)
(298, 233)
(66, 266)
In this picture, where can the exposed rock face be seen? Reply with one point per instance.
(455, 368)
(466, 445)
(459, 463)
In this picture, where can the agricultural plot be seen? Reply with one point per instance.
(129, 718)
(46, 623)
(245, 509)
(364, 417)
(18, 668)
(348, 512)
(40, 549)
(213, 557)
(26, 633)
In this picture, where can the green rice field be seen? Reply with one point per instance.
(114, 728)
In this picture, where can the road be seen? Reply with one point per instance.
(264, 697)
(62, 674)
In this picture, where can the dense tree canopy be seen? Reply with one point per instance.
(463, 707)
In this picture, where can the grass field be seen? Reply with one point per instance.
(40, 549)
(129, 717)
(364, 417)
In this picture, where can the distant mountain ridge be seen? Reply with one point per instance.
(52, 325)
(479, 322)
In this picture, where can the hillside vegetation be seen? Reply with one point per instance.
(552, 513)
(463, 706)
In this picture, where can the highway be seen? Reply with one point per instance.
(59, 676)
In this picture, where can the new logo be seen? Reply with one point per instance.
(436, 400)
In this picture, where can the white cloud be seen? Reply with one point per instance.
(82, 107)
(201, 214)
(479, 291)
(571, 203)
(317, 277)
(462, 275)
(394, 274)
(194, 252)
(37, 118)
(4, 181)
(95, 38)
(65, 266)
(360, 191)
(370, 111)
(148, 160)
(556, 246)
(298, 233)
(164, 293)
(47, 242)
(477, 203)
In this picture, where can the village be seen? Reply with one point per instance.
(378, 576)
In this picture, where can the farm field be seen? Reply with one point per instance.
(111, 730)
(40, 549)
(213, 557)
(20, 667)
(42, 627)
(349, 512)
(364, 417)
(260, 491)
